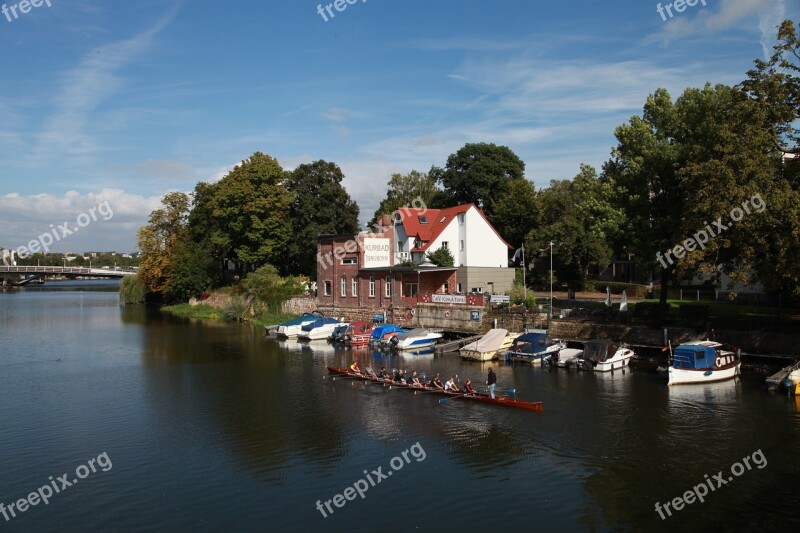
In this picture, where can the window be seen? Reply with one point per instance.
(388, 286)
(328, 287)
(461, 245)
(461, 219)
(458, 288)
(372, 286)
(344, 285)
(349, 261)
(445, 244)
(354, 290)
(411, 290)
(422, 220)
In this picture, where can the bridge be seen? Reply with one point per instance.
(36, 272)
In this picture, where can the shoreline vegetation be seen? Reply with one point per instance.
(205, 311)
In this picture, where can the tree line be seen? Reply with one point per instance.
(677, 167)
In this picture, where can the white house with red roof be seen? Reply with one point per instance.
(463, 229)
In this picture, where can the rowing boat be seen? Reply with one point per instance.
(477, 397)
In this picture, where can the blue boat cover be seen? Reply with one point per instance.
(694, 356)
(380, 331)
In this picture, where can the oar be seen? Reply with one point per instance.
(445, 398)
(511, 392)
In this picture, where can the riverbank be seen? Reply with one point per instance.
(205, 311)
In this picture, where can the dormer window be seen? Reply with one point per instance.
(422, 219)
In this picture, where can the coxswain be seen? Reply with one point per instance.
(468, 387)
(451, 386)
(436, 382)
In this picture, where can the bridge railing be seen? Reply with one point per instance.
(86, 271)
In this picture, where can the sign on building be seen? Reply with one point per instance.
(377, 252)
(449, 299)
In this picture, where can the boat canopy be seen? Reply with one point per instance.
(694, 356)
(531, 343)
(488, 343)
(307, 317)
(385, 329)
(599, 350)
(319, 323)
(413, 333)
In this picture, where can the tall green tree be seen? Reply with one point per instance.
(320, 205)
(412, 189)
(579, 216)
(516, 211)
(477, 173)
(246, 216)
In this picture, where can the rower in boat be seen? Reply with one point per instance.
(368, 372)
(354, 368)
(382, 374)
(451, 386)
(414, 380)
(436, 382)
(398, 377)
(468, 387)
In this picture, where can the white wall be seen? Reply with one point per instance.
(484, 248)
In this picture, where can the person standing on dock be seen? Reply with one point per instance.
(491, 381)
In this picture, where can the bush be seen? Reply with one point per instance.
(131, 290)
(517, 296)
(236, 308)
(270, 288)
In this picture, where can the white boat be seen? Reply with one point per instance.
(778, 379)
(567, 357)
(792, 381)
(702, 362)
(416, 339)
(534, 347)
(320, 329)
(602, 355)
(487, 347)
(292, 328)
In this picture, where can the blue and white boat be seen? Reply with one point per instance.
(416, 339)
(320, 329)
(385, 331)
(534, 347)
(702, 362)
(291, 328)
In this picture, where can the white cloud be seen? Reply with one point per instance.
(25, 217)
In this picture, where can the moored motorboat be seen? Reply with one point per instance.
(702, 362)
(477, 396)
(487, 347)
(566, 358)
(385, 331)
(291, 328)
(602, 355)
(358, 333)
(534, 347)
(416, 339)
(792, 381)
(320, 329)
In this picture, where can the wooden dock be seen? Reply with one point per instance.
(453, 346)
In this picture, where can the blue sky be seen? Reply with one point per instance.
(125, 101)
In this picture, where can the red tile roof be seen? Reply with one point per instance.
(437, 221)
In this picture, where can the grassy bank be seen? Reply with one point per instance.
(205, 311)
(195, 311)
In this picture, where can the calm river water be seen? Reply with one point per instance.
(208, 426)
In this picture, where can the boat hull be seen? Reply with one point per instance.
(620, 360)
(477, 397)
(680, 376)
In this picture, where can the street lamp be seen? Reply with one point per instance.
(551, 280)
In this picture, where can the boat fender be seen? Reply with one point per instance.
(413, 312)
